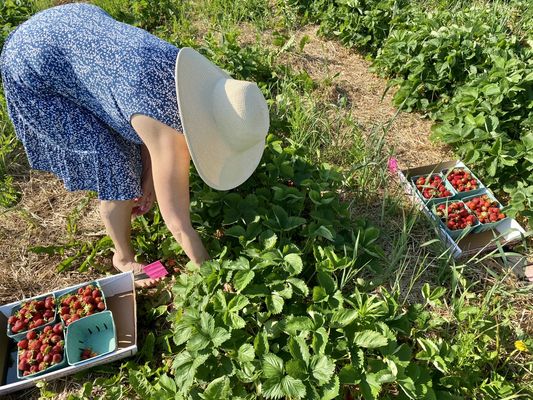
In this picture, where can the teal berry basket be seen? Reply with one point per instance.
(434, 199)
(460, 195)
(482, 227)
(51, 368)
(96, 332)
(20, 335)
(61, 295)
(457, 233)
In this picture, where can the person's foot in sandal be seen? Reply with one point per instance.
(137, 269)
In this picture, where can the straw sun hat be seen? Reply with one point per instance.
(225, 121)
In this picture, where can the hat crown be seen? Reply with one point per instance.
(240, 112)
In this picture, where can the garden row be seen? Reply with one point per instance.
(468, 66)
(291, 305)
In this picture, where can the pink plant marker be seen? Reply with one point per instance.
(155, 270)
(392, 165)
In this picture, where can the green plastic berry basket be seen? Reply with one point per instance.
(54, 367)
(96, 332)
(460, 195)
(482, 227)
(63, 294)
(431, 201)
(21, 335)
(457, 233)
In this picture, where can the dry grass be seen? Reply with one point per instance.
(41, 216)
(40, 219)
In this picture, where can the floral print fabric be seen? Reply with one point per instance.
(73, 78)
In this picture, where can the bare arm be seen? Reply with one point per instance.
(170, 170)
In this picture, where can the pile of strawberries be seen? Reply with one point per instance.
(32, 314)
(39, 351)
(85, 301)
(432, 187)
(455, 215)
(87, 353)
(486, 210)
(462, 180)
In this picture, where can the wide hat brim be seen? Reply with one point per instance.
(218, 164)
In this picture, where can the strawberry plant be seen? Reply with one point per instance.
(489, 122)
(363, 24)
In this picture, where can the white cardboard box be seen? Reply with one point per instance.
(119, 291)
(507, 233)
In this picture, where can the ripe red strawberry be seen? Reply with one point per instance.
(24, 365)
(57, 329)
(23, 344)
(56, 359)
(38, 322)
(31, 335)
(87, 353)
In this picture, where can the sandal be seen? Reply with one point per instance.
(140, 277)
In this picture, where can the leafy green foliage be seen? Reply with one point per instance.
(490, 120)
(278, 312)
(468, 66)
(356, 23)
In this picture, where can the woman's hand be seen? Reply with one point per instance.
(144, 203)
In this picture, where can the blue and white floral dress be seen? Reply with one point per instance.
(73, 78)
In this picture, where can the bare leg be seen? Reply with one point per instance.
(116, 215)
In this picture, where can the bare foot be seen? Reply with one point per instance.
(137, 268)
(528, 272)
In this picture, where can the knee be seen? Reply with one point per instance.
(110, 209)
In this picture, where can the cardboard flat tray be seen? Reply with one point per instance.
(506, 233)
(119, 291)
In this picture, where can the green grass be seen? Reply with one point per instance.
(459, 318)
